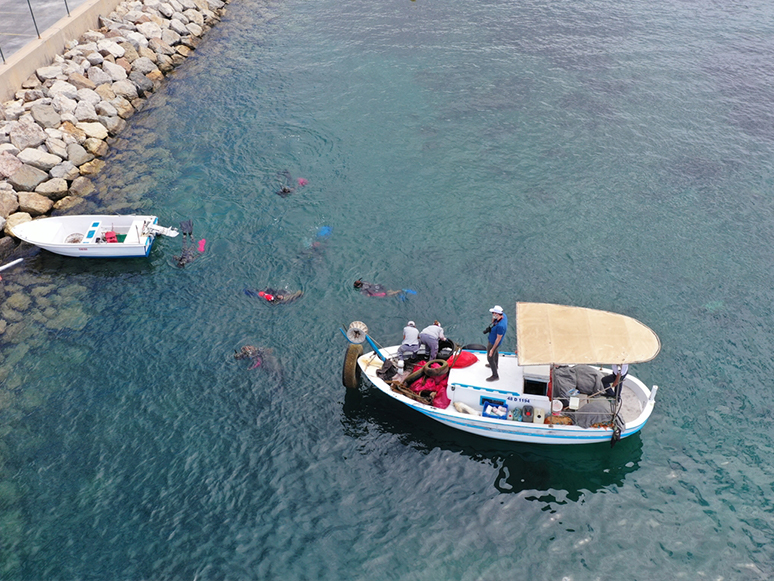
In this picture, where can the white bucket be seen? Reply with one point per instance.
(556, 406)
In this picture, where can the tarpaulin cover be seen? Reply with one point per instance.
(560, 334)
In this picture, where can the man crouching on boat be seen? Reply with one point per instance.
(430, 336)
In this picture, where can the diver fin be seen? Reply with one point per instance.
(187, 227)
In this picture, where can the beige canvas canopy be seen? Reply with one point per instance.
(574, 335)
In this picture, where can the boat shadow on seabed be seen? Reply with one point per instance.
(577, 470)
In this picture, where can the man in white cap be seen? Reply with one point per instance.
(410, 340)
(496, 333)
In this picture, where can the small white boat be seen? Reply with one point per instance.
(94, 236)
(532, 402)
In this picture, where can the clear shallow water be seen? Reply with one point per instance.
(597, 154)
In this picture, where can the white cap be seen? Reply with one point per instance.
(411, 324)
(496, 309)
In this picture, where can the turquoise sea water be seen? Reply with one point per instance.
(601, 154)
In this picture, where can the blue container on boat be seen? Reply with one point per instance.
(496, 410)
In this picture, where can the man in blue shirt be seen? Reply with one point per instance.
(496, 333)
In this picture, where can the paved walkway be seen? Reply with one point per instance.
(16, 24)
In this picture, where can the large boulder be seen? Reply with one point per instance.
(194, 16)
(86, 112)
(57, 146)
(104, 108)
(106, 92)
(68, 203)
(81, 186)
(65, 170)
(123, 106)
(130, 53)
(143, 65)
(34, 204)
(116, 72)
(99, 76)
(15, 220)
(78, 155)
(144, 84)
(95, 59)
(7, 245)
(107, 46)
(178, 27)
(114, 125)
(9, 164)
(137, 40)
(50, 72)
(96, 146)
(92, 168)
(39, 159)
(53, 189)
(24, 135)
(160, 46)
(63, 88)
(45, 115)
(9, 203)
(149, 30)
(194, 29)
(93, 130)
(68, 129)
(27, 178)
(147, 53)
(64, 105)
(80, 81)
(89, 95)
(126, 89)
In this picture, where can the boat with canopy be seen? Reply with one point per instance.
(557, 388)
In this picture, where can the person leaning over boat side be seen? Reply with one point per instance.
(610, 382)
(430, 337)
(496, 333)
(410, 341)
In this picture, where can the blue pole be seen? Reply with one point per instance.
(376, 349)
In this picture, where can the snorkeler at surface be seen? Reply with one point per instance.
(273, 296)
(287, 186)
(374, 290)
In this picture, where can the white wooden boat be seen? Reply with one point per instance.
(552, 340)
(94, 236)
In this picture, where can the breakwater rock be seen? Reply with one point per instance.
(56, 131)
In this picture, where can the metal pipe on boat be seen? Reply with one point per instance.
(653, 393)
(10, 264)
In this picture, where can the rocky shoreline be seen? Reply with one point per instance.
(54, 135)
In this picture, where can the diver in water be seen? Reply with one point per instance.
(277, 297)
(187, 254)
(315, 247)
(254, 354)
(287, 187)
(374, 290)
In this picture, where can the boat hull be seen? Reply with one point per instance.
(468, 386)
(84, 236)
